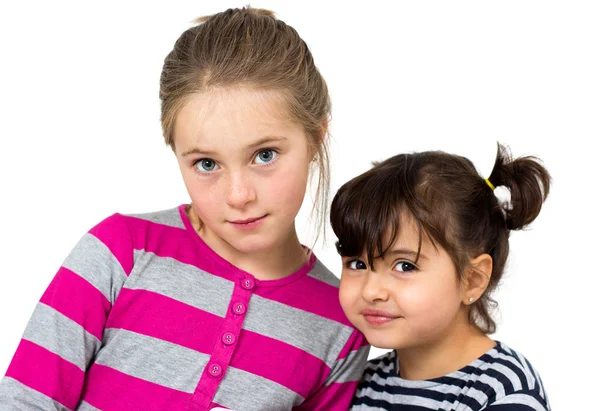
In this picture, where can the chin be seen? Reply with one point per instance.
(386, 339)
(386, 343)
(250, 246)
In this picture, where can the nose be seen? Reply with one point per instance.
(374, 288)
(240, 190)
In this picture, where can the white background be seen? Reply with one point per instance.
(81, 138)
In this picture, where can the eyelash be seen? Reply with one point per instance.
(349, 264)
(414, 266)
(207, 173)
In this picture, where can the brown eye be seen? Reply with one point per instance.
(357, 265)
(405, 266)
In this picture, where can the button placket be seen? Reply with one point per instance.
(226, 342)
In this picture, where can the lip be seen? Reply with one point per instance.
(378, 317)
(249, 223)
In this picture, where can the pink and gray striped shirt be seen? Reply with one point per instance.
(143, 315)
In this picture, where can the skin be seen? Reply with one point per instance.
(241, 157)
(419, 308)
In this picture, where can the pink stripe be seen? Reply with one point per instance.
(113, 232)
(176, 243)
(277, 361)
(111, 390)
(334, 397)
(77, 299)
(144, 312)
(309, 294)
(46, 372)
(356, 341)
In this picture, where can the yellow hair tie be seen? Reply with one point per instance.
(490, 184)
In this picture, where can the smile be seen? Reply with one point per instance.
(378, 317)
(249, 223)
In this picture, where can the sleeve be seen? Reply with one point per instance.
(529, 400)
(65, 330)
(338, 390)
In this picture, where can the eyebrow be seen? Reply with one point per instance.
(401, 251)
(264, 140)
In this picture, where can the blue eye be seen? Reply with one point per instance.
(405, 267)
(206, 165)
(357, 265)
(265, 156)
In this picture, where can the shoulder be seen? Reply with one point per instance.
(379, 380)
(323, 274)
(119, 222)
(318, 291)
(526, 400)
(172, 217)
(511, 374)
(381, 367)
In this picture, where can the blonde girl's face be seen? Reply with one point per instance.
(245, 166)
(402, 303)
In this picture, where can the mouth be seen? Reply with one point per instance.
(248, 223)
(378, 317)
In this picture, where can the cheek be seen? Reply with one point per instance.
(430, 303)
(349, 293)
(205, 196)
(287, 188)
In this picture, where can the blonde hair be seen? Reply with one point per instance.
(250, 47)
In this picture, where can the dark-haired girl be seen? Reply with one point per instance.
(424, 242)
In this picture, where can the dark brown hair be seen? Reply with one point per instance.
(450, 203)
(250, 47)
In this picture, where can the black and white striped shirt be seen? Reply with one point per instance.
(500, 380)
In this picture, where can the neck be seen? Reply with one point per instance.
(457, 349)
(285, 258)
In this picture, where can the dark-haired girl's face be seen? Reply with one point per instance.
(401, 302)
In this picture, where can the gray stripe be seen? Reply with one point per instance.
(241, 390)
(364, 407)
(310, 332)
(15, 396)
(521, 399)
(151, 359)
(64, 337)
(180, 368)
(322, 273)
(92, 260)
(397, 399)
(170, 217)
(212, 294)
(181, 282)
(349, 368)
(84, 406)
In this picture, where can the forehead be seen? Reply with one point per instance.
(409, 236)
(408, 233)
(236, 115)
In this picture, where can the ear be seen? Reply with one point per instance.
(477, 278)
